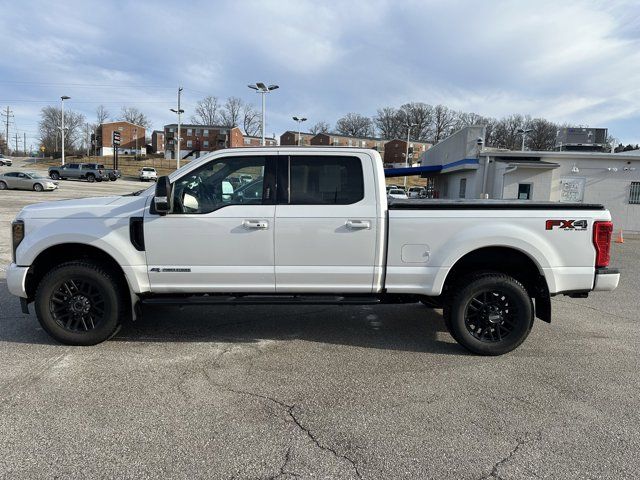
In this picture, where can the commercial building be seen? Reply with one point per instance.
(132, 138)
(460, 167)
(200, 139)
(294, 138)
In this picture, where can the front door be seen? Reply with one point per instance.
(326, 224)
(219, 236)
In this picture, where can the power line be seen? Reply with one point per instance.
(41, 84)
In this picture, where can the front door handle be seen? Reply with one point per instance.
(255, 224)
(358, 224)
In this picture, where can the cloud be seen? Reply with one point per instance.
(570, 62)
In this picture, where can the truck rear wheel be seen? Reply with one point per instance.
(79, 303)
(489, 314)
(54, 176)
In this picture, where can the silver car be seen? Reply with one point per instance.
(26, 181)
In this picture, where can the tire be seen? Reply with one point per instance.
(37, 187)
(91, 178)
(3, 185)
(113, 178)
(79, 303)
(54, 176)
(489, 313)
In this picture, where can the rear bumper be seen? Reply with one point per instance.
(17, 280)
(607, 279)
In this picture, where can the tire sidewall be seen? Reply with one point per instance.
(54, 176)
(108, 289)
(3, 185)
(91, 178)
(517, 294)
(36, 185)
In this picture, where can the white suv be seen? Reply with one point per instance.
(5, 161)
(147, 174)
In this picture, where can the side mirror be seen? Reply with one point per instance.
(162, 198)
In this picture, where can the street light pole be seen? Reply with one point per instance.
(406, 154)
(62, 99)
(524, 133)
(300, 120)
(179, 111)
(263, 89)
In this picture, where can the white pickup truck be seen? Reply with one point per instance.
(309, 226)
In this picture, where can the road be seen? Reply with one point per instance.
(320, 392)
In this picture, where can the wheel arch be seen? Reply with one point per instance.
(507, 260)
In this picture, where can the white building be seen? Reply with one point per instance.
(462, 168)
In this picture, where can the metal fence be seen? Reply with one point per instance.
(634, 193)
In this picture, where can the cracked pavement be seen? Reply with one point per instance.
(322, 392)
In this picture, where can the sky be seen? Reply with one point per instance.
(567, 61)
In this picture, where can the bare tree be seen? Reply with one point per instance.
(206, 111)
(231, 112)
(443, 121)
(50, 128)
(355, 125)
(251, 120)
(505, 133)
(542, 135)
(387, 121)
(135, 116)
(421, 116)
(102, 114)
(320, 127)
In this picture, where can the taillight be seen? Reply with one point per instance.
(602, 232)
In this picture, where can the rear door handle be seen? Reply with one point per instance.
(255, 224)
(358, 224)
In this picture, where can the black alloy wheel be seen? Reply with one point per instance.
(81, 303)
(489, 313)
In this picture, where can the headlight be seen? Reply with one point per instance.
(17, 235)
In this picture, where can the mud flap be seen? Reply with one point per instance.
(543, 308)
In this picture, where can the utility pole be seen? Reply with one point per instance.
(88, 139)
(62, 99)
(179, 111)
(6, 126)
(17, 148)
(24, 143)
(406, 155)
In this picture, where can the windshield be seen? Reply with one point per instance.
(33, 175)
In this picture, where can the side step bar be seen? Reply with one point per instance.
(276, 300)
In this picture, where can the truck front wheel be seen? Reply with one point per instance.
(489, 314)
(79, 303)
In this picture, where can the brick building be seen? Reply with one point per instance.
(337, 140)
(132, 138)
(200, 139)
(157, 141)
(291, 138)
(395, 151)
(253, 141)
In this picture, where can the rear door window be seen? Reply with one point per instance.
(324, 180)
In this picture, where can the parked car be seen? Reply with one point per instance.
(148, 174)
(110, 173)
(397, 193)
(82, 171)
(322, 232)
(416, 192)
(5, 161)
(26, 181)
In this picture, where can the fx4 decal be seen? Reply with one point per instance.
(566, 224)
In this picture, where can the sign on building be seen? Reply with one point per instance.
(572, 189)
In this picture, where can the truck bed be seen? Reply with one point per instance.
(429, 204)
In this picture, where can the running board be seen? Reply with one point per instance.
(264, 300)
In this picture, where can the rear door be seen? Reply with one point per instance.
(326, 224)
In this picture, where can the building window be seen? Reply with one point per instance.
(634, 193)
(189, 144)
(206, 143)
(189, 132)
(247, 141)
(171, 130)
(524, 191)
(463, 188)
(206, 133)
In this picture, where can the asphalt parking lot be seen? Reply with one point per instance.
(319, 392)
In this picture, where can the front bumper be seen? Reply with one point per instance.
(607, 279)
(17, 280)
